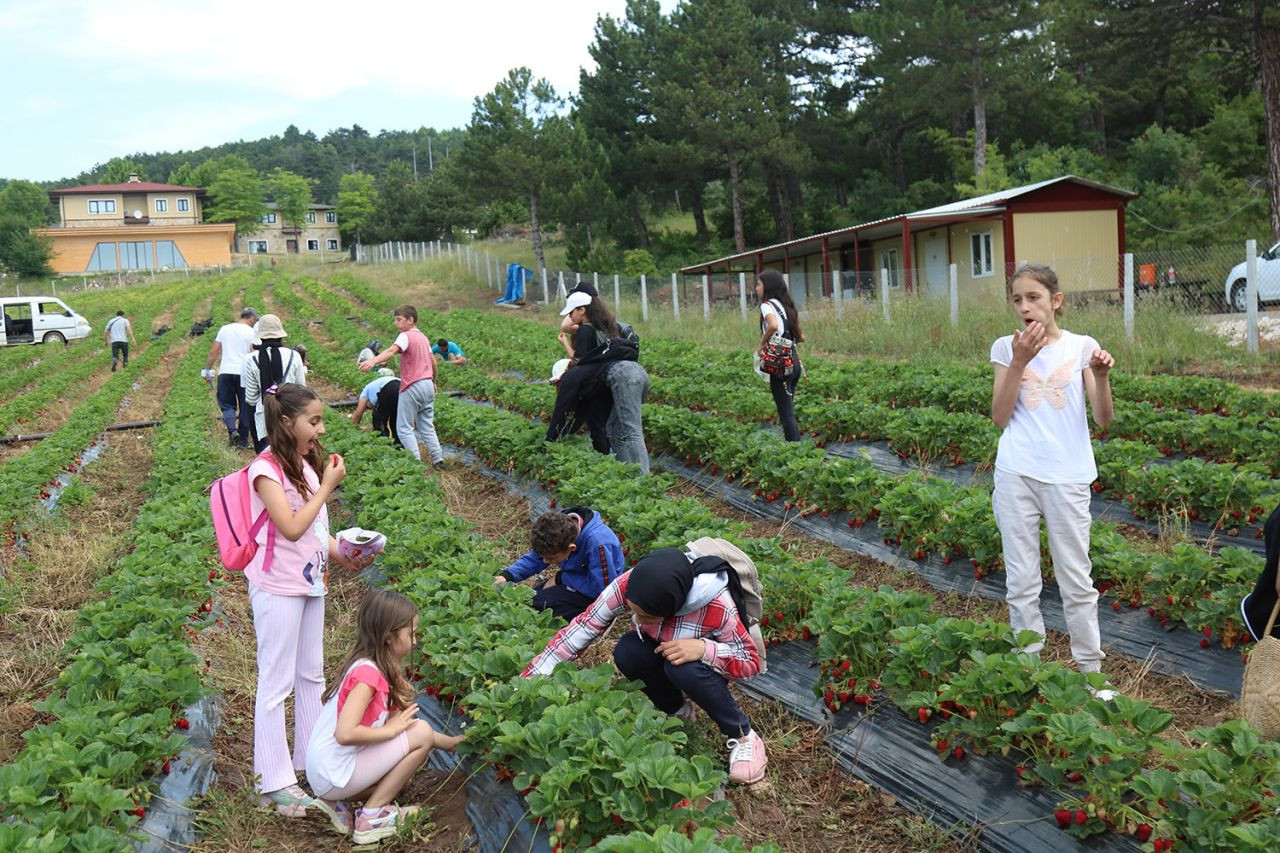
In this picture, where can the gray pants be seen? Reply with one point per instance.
(629, 383)
(415, 419)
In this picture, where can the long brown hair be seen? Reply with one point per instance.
(599, 316)
(288, 401)
(775, 287)
(382, 613)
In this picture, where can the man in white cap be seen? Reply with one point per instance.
(230, 349)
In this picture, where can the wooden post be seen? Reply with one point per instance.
(1128, 297)
(955, 298)
(884, 293)
(1251, 294)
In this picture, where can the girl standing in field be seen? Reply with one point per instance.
(272, 364)
(369, 741)
(291, 482)
(778, 316)
(1044, 462)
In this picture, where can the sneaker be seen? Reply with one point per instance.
(746, 759)
(380, 825)
(439, 466)
(688, 712)
(339, 814)
(290, 802)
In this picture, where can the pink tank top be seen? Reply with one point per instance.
(416, 362)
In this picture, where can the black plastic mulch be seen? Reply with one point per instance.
(168, 824)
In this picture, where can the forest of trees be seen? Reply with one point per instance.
(762, 121)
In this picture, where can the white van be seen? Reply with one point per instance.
(40, 320)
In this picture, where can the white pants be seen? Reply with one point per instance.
(290, 631)
(1019, 504)
(415, 419)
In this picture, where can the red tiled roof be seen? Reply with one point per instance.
(131, 187)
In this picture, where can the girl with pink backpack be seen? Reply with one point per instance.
(287, 583)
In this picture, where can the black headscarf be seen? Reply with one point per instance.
(270, 367)
(660, 583)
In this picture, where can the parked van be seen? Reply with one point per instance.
(40, 320)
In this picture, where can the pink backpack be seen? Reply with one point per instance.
(230, 503)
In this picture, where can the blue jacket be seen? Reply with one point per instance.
(594, 564)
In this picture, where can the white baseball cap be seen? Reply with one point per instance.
(575, 300)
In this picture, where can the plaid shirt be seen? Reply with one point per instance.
(729, 652)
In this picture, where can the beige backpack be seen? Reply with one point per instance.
(752, 593)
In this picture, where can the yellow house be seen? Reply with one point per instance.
(137, 225)
(1070, 223)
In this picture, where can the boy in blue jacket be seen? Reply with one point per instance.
(586, 550)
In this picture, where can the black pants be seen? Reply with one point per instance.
(119, 349)
(236, 414)
(783, 392)
(560, 600)
(666, 684)
(386, 410)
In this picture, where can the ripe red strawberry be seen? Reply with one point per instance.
(1063, 817)
(139, 811)
(958, 753)
(1115, 605)
(778, 616)
(1081, 817)
(183, 723)
(923, 714)
(165, 768)
(942, 744)
(1204, 644)
(1143, 832)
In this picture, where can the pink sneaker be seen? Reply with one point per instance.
(746, 759)
(370, 829)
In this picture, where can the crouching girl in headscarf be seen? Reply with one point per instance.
(688, 640)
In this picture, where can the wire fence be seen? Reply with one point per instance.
(1207, 280)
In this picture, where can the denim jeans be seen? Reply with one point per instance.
(629, 384)
(666, 684)
(236, 414)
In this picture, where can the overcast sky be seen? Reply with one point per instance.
(89, 80)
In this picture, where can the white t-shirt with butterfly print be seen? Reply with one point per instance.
(1047, 438)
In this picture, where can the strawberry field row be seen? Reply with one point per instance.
(24, 479)
(1048, 698)
(81, 781)
(55, 378)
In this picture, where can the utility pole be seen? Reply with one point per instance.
(430, 162)
(415, 162)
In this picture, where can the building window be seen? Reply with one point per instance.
(331, 245)
(269, 219)
(169, 256)
(889, 261)
(103, 258)
(184, 205)
(105, 205)
(980, 254)
(257, 247)
(162, 205)
(311, 216)
(313, 245)
(331, 216)
(136, 255)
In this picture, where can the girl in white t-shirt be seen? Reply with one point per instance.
(291, 482)
(1044, 463)
(369, 741)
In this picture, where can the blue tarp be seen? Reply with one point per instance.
(516, 278)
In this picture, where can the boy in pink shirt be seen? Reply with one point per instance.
(416, 416)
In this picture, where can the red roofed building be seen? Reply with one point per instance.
(137, 225)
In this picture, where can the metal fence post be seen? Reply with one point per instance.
(546, 294)
(1128, 297)
(706, 301)
(884, 293)
(742, 293)
(837, 293)
(1251, 294)
(617, 295)
(644, 300)
(561, 293)
(675, 298)
(955, 297)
